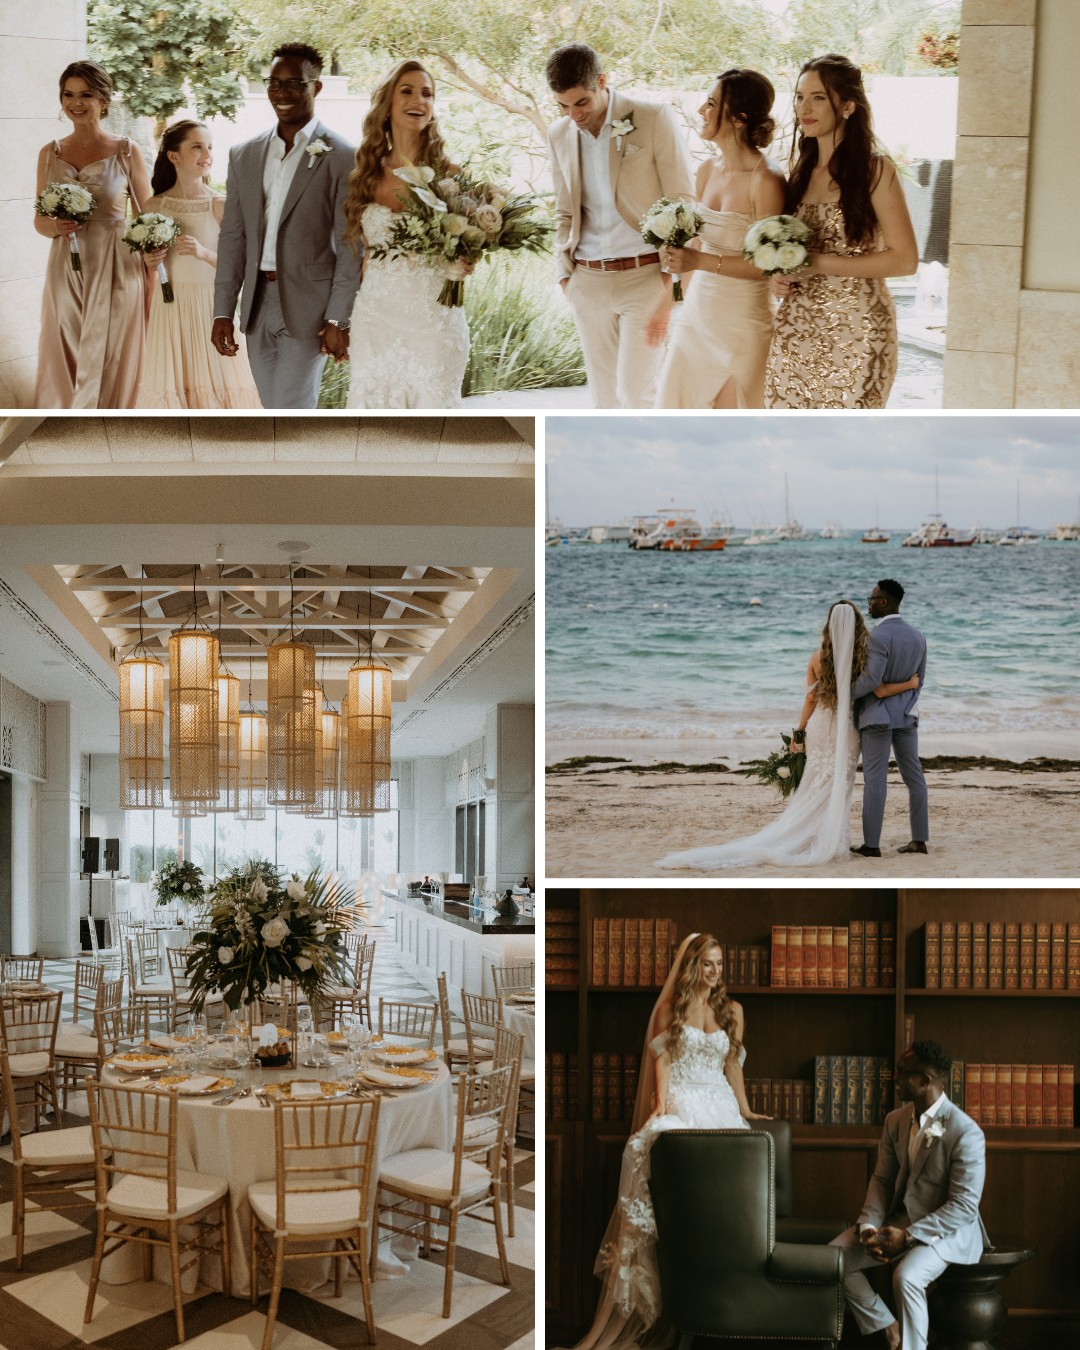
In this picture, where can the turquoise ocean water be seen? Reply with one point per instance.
(653, 646)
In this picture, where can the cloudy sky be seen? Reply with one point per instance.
(601, 469)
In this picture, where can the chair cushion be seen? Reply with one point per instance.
(458, 1046)
(151, 990)
(307, 1212)
(429, 1172)
(76, 1028)
(147, 1197)
(75, 1047)
(29, 1064)
(55, 1148)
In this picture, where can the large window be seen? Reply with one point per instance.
(217, 842)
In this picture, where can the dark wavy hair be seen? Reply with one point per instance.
(856, 162)
(688, 979)
(97, 77)
(572, 66)
(163, 176)
(748, 96)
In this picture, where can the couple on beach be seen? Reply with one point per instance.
(921, 1210)
(862, 693)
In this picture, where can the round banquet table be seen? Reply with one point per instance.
(237, 1141)
(522, 1019)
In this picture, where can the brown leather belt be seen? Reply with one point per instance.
(268, 276)
(618, 264)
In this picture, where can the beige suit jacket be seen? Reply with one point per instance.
(650, 163)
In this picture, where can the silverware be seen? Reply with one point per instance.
(233, 1097)
(261, 1094)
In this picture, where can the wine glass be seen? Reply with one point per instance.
(305, 1027)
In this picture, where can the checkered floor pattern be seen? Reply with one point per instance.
(41, 1306)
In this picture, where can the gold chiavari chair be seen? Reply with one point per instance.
(455, 1049)
(509, 1050)
(483, 1016)
(151, 992)
(141, 1193)
(321, 1193)
(28, 1025)
(514, 979)
(414, 1021)
(27, 968)
(89, 977)
(84, 1054)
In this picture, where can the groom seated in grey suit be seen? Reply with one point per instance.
(282, 241)
(922, 1205)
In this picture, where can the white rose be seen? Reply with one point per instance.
(302, 963)
(789, 255)
(448, 188)
(139, 233)
(783, 772)
(225, 955)
(497, 200)
(258, 889)
(275, 931)
(663, 224)
(489, 219)
(765, 257)
(453, 224)
(295, 890)
(50, 199)
(187, 886)
(773, 228)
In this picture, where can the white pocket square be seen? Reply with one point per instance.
(631, 150)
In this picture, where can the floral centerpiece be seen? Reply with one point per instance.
(671, 224)
(458, 219)
(263, 931)
(149, 231)
(179, 881)
(67, 201)
(784, 768)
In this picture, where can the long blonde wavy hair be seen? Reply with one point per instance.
(375, 147)
(826, 685)
(687, 981)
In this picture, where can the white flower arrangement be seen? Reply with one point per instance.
(67, 201)
(316, 149)
(149, 231)
(777, 245)
(670, 224)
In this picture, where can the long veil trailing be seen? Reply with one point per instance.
(815, 825)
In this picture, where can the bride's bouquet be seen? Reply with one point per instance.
(456, 220)
(777, 245)
(149, 231)
(67, 201)
(671, 225)
(783, 769)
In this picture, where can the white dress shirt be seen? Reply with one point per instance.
(918, 1138)
(604, 233)
(278, 171)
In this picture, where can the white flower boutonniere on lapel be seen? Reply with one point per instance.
(316, 149)
(623, 127)
(935, 1130)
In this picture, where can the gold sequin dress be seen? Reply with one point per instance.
(834, 344)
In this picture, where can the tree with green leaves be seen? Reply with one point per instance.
(159, 54)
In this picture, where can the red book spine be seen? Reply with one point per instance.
(809, 956)
(948, 953)
(1027, 955)
(989, 1094)
(646, 952)
(779, 955)
(1057, 956)
(663, 950)
(888, 954)
(1050, 1094)
(973, 1092)
(615, 952)
(1019, 1094)
(932, 954)
(1004, 1094)
(840, 958)
(1072, 958)
(599, 951)
(978, 954)
(1042, 956)
(963, 953)
(995, 961)
(1066, 1093)
(824, 956)
(630, 952)
(855, 954)
(1012, 955)
(1035, 1094)
(794, 957)
(872, 954)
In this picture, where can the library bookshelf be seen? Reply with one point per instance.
(1033, 1172)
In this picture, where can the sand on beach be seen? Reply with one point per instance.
(618, 820)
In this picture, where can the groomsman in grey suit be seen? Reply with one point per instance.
(922, 1204)
(895, 652)
(282, 244)
(611, 158)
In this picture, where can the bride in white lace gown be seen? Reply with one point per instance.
(406, 350)
(692, 1079)
(815, 826)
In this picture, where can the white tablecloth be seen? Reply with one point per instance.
(523, 1021)
(237, 1141)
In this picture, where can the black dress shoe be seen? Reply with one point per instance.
(865, 851)
(916, 846)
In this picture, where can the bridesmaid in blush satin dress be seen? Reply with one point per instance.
(93, 322)
(835, 342)
(720, 338)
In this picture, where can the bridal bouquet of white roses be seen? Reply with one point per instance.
(149, 231)
(456, 220)
(67, 201)
(777, 245)
(672, 225)
(784, 768)
(263, 931)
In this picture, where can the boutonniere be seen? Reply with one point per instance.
(623, 127)
(935, 1130)
(316, 149)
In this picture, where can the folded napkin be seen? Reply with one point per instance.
(200, 1083)
(302, 1090)
(393, 1079)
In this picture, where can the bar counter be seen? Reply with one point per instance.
(432, 938)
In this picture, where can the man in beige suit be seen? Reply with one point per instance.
(611, 158)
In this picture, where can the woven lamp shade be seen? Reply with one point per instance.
(228, 798)
(142, 733)
(193, 717)
(189, 810)
(326, 796)
(311, 808)
(252, 766)
(365, 787)
(291, 724)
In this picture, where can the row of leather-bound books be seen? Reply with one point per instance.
(1001, 954)
(858, 955)
(628, 953)
(1038, 1095)
(562, 956)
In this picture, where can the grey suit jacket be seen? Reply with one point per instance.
(895, 652)
(937, 1199)
(318, 273)
(648, 163)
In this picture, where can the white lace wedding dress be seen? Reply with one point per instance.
(405, 349)
(815, 825)
(699, 1097)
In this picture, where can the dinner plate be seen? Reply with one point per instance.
(403, 1054)
(523, 998)
(138, 1062)
(329, 1090)
(402, 1077)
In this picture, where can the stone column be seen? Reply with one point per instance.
(23, 819)
(511, 798)
(58, 824)
(36, 42)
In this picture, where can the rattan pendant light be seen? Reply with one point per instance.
(365, 787)
(228, 798)
(252, 760)
(142, 727)
(291, 719)
(193, 712)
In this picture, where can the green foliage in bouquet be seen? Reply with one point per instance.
(783, 769)
(263, 930)
(179, 881)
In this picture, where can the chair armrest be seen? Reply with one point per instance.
(795, 1263)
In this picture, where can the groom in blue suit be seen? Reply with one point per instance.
(895, 651)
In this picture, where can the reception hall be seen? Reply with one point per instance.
(266, 882)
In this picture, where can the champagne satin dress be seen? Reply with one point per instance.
(93, 322)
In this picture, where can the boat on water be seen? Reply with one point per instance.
(607, 534)
(1017, 536)
(791, 529)
(675, 531)
(984, 536)
(759, 534)
(1066, 532)
(877, 535)
(832, 530)
(935, 533)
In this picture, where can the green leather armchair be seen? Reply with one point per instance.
(722, 1272)
(789, 1227)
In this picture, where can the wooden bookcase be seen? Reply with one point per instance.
(1033, 1174)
